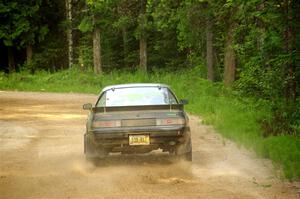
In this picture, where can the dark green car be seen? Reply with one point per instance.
(137, 118)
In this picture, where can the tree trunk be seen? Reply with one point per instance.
(69, 32)
(143, 54)
(290, 88)
(230, 59)
(143, 39)
(97, 51)
(80, 59)
(11, 60)
(209, 51)
(125, 49)
(29, 53)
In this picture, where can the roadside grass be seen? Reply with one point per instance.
(233, 116)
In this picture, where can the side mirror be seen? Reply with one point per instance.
(183, 101)
(87, 106)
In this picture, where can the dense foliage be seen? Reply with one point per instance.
(251, 46)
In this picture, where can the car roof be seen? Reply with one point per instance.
(134, 86)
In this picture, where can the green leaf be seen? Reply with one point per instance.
(86, 24)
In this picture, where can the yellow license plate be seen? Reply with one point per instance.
(139, 140)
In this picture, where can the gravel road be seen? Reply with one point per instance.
(41, 156)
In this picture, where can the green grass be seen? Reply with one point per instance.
(233, 116)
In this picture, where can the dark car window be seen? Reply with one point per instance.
(172, 98)
(136, 96)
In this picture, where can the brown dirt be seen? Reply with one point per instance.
(41, 156)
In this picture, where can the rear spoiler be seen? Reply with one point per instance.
(137, 108)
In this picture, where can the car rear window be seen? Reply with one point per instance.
(136, 96)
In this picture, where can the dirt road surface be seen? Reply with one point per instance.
(41, 156)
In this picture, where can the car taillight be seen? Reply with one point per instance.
(170, 121)
(109, 123)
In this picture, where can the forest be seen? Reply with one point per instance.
(238, 62)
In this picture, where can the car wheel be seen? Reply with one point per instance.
(189, 154)
(184, 151)
(89, 150)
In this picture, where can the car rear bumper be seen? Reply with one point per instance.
(137, 129)
(118, 140)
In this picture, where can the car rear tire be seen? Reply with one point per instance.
(91, 151)
(187, 148)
